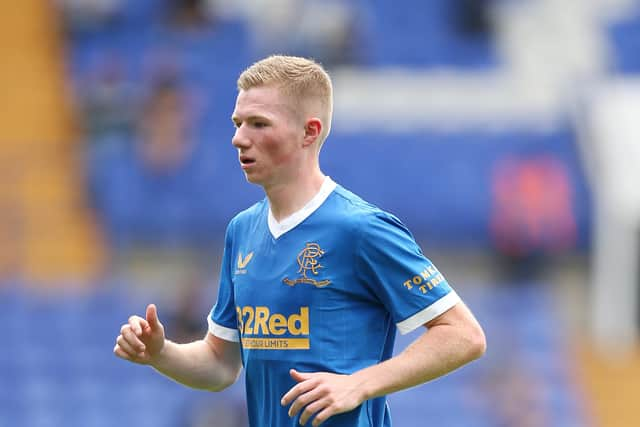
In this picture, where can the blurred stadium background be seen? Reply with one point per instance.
(505, 133)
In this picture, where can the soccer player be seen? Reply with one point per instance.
(314, 280)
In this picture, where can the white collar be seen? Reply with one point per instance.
(277, 229)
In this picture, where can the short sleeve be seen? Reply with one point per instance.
(392, 264)
(222, 318)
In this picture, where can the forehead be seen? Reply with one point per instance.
(262, 100)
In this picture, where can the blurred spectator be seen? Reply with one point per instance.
(144, 187)
(108, 102)
(186, 321)
(152, 194)
(190, 14)
(328, 30)
(164, 127)
(473, 17)
(532, 215)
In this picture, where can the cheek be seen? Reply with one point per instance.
(278, 152)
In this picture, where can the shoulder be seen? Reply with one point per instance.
(362, 216)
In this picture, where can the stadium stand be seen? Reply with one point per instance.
(624, 38)
(433, 34)
(56, 367)
(126, 197)
(59, 370)
(44, 230)
(484, 394)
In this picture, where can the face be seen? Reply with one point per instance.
(269, 136)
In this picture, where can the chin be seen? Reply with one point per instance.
(252, 179)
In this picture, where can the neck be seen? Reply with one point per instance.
(289, 197)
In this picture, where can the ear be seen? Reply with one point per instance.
(312, 130)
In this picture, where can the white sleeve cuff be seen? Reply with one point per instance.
(429, 313)
(227, 334)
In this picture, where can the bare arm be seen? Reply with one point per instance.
(451, 340)
(210, 363)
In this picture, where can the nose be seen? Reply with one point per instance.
(239, 140)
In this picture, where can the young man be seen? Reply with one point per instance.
(314, 280)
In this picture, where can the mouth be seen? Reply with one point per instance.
(246, 161)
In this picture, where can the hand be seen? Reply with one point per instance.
(323, 394)
(141, 340)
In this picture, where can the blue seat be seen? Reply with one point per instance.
(624, 38)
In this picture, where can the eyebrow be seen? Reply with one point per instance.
(235, 118)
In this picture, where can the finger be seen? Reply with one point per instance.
(324, 415)
(312, 409)
(152, 317)
(118, 351)
(127, 333)
(121, 353)
(304, 400)
(296, 391)
(126, 347)
(137, 323)
(300, 376)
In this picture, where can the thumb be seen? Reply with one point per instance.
(152, 317)
(299, 376)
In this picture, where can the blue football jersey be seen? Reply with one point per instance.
(324, 290)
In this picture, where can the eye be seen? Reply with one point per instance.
(259, 125)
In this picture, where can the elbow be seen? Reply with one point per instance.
(477, 343)
(224, 381)
(219, 386)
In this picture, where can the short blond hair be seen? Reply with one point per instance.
(300, 79)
